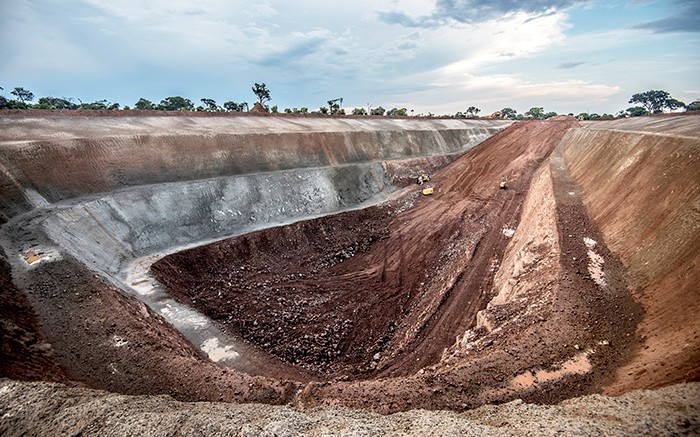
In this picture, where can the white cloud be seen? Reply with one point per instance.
(495, 41)
(493, 92)
(315, 50)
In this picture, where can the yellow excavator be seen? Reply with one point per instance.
(423, 178)
(504, 183)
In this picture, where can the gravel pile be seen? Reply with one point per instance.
(54, 409)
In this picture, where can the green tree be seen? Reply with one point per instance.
(210, 105)
(378, 111)
(176, 103)
(359, 111)
(635, 111)
(472, 111)
(536, 113)
(144, 105)
(335, 105)
(98, 105)
(302, 110)
(235, 107)
(672, 104)
(323, 110)
(693, 106)
(23, 95)
(54, 103)
(655, 101)
(262, 93)
(550, 115)
(397, 112)
(508, 113)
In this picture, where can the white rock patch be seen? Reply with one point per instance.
(595, 263)
(218, 352)
(508, 232)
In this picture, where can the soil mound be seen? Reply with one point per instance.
(670, 411)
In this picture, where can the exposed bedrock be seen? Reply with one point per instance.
(56, 158)
(115, 228)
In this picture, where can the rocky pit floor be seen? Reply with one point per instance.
(391, 308)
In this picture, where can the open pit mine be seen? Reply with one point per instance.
(168, 273)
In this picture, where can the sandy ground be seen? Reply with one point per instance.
(670, 411)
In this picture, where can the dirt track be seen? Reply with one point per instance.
(470, 296)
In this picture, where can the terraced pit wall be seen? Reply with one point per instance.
(67, 157)
(146, 184)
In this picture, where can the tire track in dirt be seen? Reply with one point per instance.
(458, 306)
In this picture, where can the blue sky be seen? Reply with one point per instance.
(438, 56)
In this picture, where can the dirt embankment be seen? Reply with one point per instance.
(25, 354)
(472, 295)
(103, 338)
(641, 185)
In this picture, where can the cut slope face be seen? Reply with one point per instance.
(54, 158)
(469, 296)
(641, 184)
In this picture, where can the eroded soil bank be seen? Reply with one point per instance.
(579, 278)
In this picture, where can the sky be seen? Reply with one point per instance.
(429, 56)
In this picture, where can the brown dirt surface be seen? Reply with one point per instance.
(643, 192)
(371, 300)
(24, 353)
(106, 339)
(562, 285)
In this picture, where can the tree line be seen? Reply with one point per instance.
(649, 102)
